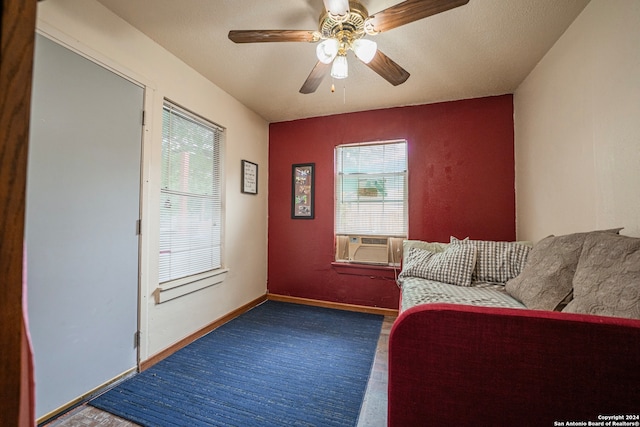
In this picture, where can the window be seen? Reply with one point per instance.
(371, 199)
(190, 195)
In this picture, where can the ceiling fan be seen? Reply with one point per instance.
(343, 27)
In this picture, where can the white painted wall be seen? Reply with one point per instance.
(577, 128)
(88, 27)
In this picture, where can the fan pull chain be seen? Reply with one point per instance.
(344, 91)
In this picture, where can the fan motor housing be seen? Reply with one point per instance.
(352, 24)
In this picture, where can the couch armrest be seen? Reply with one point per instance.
(463, 365)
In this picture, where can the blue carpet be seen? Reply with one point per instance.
(279, 364)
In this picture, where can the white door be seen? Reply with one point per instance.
(82, 205)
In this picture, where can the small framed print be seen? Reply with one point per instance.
(249, 177)
(302, 189)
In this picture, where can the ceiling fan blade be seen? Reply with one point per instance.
(388, 69)
(260, 36)
(336, 7)
(315, 77)
(408, 11)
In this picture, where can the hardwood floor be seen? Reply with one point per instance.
(374, 406)
(372, 414)
(88, 416)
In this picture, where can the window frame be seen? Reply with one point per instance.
(174, 287)
(340, 232)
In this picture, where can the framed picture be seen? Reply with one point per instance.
(249, 177)
(302, 189)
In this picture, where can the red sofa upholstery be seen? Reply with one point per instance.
(466, 365)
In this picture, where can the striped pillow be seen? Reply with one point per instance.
(496, 261)
(454, 265)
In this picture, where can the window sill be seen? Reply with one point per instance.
(177, 288)
(384, 271)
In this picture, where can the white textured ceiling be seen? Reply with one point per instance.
(484, 48)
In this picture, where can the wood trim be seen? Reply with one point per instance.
(17, 36)
(334, 305)
(373, 271)
(146, 364)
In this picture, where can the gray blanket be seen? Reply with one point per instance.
(422, 291)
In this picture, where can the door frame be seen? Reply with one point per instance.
(17, 38)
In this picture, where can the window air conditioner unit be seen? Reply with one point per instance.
(372, 250)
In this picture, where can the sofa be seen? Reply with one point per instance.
(515, 334)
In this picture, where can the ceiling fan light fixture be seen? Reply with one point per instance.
(340, 68)
(337, 9)
(327, 51)
(365, 49)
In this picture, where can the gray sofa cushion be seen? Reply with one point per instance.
(546, 281)
(427, 246)
(607, 278)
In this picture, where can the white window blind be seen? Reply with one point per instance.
(190, 195)
(371, 189)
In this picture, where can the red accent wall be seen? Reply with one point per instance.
(461, 183)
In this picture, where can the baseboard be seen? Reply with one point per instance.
(86, 397)
(146, 364)
(334, 305)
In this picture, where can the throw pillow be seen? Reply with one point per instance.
(454, 265)
(546, 281)
(496, 261)
(607, 279)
